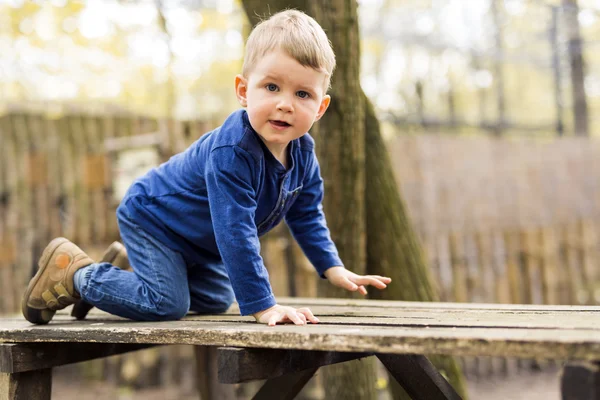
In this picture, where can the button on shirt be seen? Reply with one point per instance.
(213, 201)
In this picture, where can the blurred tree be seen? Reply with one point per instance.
(367, 217)
(580, 108)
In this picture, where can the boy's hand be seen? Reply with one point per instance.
(340, 276)
(279, 313)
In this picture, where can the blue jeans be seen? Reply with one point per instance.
(162, 286)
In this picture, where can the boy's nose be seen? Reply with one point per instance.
(284, 105)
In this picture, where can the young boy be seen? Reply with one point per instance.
(191, 226)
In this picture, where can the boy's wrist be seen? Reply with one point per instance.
(331, 270)
(259, 314)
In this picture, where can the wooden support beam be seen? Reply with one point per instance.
(420, 379)
(207, 383)
(580, 381)
(285, 387)
(238, 365)
(22, 357)
(30, 385)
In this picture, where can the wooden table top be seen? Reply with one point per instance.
(528, 331)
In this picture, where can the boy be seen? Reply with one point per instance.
(191, 226)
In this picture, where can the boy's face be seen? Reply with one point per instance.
(282, 97)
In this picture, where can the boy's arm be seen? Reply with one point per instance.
(232, 201)
(309, 227)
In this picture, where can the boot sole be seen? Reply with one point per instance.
(82, 308)
(34, 315)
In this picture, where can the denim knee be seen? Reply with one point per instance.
(169, 309)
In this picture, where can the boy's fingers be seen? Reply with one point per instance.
(362, 290)
(293, 316)
(302, 316)
(383, 279)
(273, 319)
(348, 285)
(367, 280)
(309, 315)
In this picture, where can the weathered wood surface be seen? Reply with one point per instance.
(21, 357)
(238, 365)
(30, 385)
(557, 332)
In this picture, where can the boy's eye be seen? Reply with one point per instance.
(302, 94)
(271, 87)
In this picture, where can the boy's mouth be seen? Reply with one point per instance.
(282, 124)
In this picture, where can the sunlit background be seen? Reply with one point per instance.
(475, 66)
(490, 109)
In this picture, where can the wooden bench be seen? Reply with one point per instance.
(398, 333)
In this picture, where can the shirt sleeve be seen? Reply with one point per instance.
(232, 202)
(307, 222)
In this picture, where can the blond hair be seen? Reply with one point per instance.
(295, 33)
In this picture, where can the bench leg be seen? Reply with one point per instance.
(30, 385)
(208, 384)
(580, 381)
(285, 387)
(420, 379)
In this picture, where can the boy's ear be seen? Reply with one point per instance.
(241, 89)
(323, 106)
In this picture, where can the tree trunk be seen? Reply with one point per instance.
(340, 140)
(393, 248)
(367, 218)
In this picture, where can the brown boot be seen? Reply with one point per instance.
(117, 256)
(52, 286)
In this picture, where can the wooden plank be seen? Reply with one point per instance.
(430, 305)
(419, 378)
(485, 263)
(96, 177)
(550, 285)
(571, 258)
(583, 344)
(459, 267)
(82, 196)
(32, 385)
(285, 387)
(589, 257)
(24, 357)
(445, 319)
(411, 317)
(501, 279)
(529, 265)
(109, 127)
(10, 274)
(69, 168)
(580, 381)
(414, 317)
(511, 239)
(238, 365)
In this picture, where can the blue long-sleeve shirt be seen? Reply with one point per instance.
(214, 200)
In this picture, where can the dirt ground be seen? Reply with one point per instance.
(524, 386)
